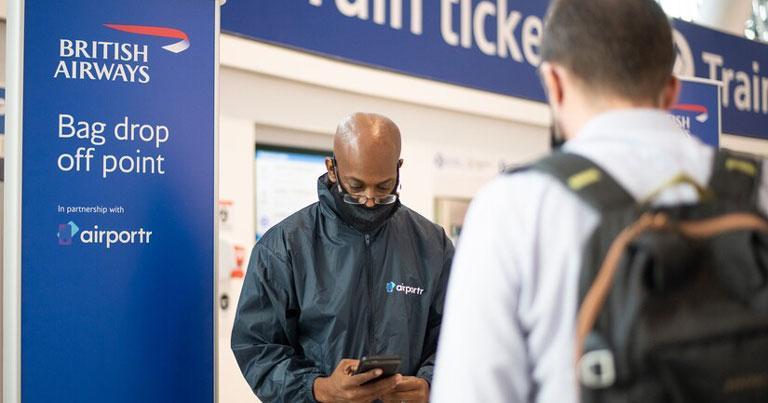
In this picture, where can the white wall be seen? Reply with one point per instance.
(249, 99)
(274, 61)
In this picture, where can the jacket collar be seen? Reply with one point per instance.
(327, 203)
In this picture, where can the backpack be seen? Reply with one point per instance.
(673, 301)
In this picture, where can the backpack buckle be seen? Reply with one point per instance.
(596, 369)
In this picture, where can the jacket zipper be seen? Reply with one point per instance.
(371, 305)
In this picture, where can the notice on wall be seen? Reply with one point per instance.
(118, 202)
(286, 182)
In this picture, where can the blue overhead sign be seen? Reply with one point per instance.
(483, 45)
(487, 45)
(117, 237)
(740, 65)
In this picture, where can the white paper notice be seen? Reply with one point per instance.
(286, 182)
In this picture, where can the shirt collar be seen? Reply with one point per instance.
(637, 124)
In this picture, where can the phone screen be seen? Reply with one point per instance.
(389, 364)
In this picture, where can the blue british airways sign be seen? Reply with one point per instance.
(117, 237)
(698, 110)
(487, 45)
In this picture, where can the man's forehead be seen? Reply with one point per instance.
(358, 152)
(367, 164)
(373, 170)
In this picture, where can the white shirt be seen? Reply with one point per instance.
(509, 326)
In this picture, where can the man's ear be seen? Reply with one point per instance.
(329, 167)
(670, 94)
(553, 83)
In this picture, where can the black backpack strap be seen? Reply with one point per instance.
(586, 179)
(510, 170)
(736, 177)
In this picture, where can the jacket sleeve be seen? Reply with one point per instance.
(436, 313)
(265, 332)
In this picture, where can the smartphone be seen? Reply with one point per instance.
(389, 364)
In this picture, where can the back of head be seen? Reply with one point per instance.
(617, 47)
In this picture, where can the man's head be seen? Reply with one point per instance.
(367, 153)
(606, 54)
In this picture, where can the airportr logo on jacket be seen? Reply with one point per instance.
(392, 287)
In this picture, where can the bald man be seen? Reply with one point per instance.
(354, 274)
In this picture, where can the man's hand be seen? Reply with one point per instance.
(344, 386)
(410, 389)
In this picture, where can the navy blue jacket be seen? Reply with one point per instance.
(318, 291)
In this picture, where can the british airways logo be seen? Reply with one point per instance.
(163, 32)
(682, 113)
(701, 112)
(100, 60)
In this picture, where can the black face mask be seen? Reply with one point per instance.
(361, 218)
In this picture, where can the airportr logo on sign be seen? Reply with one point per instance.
(162, 32)
(102, 237)
(66, 232)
